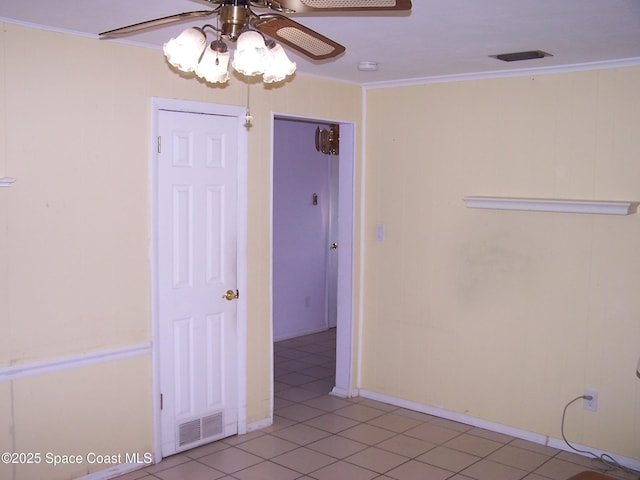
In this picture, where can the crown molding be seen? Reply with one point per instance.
(577, 67)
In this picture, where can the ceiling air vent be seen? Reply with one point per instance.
(517, 56)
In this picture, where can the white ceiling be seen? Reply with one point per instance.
(439, 38)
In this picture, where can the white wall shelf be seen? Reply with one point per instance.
(550, 205)
(6, 181)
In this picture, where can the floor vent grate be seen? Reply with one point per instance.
(189, 432)
(200, 429)
(212, 425)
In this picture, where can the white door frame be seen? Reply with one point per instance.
(158, 104)
(346, 233)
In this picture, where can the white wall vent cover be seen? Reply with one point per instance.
(200, 429)
(189, 432)
(212, 425)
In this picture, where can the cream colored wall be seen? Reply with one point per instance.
(75, 230)
(506, 316)
(100, 413)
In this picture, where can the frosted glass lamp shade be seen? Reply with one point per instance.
(214, 66)
(251, 54)
(184, 52)
(279, 65)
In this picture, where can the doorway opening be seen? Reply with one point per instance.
(312, 257)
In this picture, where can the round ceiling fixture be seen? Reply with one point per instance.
(367, 66)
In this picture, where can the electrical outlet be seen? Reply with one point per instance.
(593, 403)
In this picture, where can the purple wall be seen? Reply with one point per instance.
(300, 243)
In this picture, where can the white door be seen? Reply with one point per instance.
(332, 257)
(197, 264)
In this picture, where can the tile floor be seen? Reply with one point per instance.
(316, 436)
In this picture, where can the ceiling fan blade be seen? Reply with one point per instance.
(302, 6)
(297, 36)
(157, 22)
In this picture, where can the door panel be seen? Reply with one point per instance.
(197, 262)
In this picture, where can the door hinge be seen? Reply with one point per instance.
(159, 144)
(161, 402)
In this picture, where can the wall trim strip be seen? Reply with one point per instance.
(6, 181)
(559, 444)
(550, 205)
(524, 72)
(14, 372)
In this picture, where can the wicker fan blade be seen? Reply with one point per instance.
(179, 17)
(297, 36)
(301, 6)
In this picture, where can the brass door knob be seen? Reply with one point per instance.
(231, 295)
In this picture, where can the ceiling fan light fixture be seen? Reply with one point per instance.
(184, 52)
(233, 19)
(237, 22)
(251, 55)
(214, 65)
(279, 66)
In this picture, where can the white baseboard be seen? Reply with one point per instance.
(113, 472)
(301, 333)
(339, 392)
(260, 424)
(632, 463)
(344, 393)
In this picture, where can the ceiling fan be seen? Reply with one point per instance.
(236, 16)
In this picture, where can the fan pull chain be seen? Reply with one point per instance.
(247, 115)
(219, 37)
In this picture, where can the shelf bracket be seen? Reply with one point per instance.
(6, 181)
